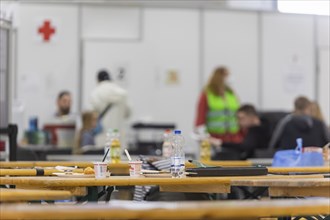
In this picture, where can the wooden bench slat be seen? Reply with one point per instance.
(169, 210)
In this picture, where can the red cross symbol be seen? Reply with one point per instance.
(46, 30)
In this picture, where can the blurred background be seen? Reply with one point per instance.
(162, 53)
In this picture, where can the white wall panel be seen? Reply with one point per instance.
(323, 31)
(288, 59)
(44, 69)
(231, 39)
(170, 42)
(111, 22)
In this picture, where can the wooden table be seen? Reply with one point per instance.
(289, 187)
(77, 186)
(119, 168)
(33, 172)
(14, 195)
(286, 170)
(123, 169)
(170, 210)
(11, 164)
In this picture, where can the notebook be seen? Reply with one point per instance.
(227, 171)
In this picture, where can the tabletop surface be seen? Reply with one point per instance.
(33, 172)
(325, 169)
(28, 195)
(113, 180)
(17, 164)
(123, 164)
(288, 182)
(169, 210)
(131, 181)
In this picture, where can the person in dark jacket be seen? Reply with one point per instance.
(300, 124)
(257, 134)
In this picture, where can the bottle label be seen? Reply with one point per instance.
(115, 151)
(177, 165)
(176, 161)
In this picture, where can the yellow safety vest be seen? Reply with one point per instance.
(221, 117)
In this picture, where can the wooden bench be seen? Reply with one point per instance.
(170, 210)
(77, 186)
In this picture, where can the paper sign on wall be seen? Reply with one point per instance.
(294, 81)
(172, 77)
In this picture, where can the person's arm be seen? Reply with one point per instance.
(202, 109)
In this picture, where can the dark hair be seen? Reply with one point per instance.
(248, 109)
(63, 93)
(301, 103)
(103, 75)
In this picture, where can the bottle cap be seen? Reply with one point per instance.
(177, 132)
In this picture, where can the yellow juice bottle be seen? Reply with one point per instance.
(205, 151)
(115, 150)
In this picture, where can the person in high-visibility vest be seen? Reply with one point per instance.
(217, 108)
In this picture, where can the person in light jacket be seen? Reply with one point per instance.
(109, 100)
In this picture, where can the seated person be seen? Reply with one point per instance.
(300, 124)
(62, 119)
(87, 133)
(63, 104)
(63, 112)
(257, 133)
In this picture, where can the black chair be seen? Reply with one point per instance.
(11, 131)
(26, 155)
(271, 118)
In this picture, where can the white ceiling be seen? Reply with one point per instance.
(229, 4)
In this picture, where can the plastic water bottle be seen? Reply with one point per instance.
(107, 145)
(167, 146)
(177, 158)
(115, 147)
